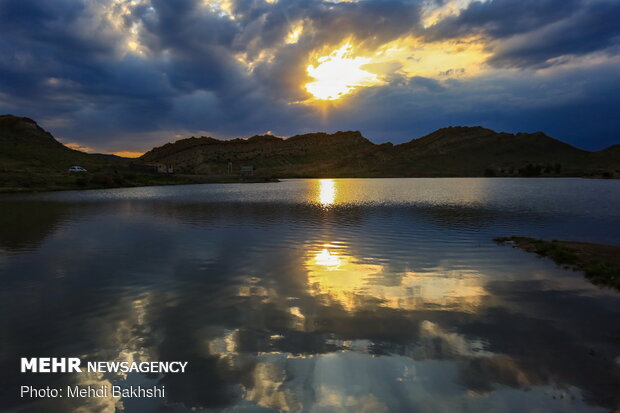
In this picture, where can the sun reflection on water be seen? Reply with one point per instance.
(327, 192)
(327, 259)
(352, 282)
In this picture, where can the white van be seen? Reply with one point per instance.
(77, 169)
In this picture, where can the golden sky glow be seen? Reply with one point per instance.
(311, 65)
(224, 8)
(295, 33)
(78, 147)
(346, 69)
(437, 60)
(433, 11)
(128, 154)
(339, 73)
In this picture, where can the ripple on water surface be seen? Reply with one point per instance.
(379, 295)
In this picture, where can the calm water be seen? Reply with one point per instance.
(383, 295)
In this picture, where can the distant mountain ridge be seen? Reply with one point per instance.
(451, 151)
(308, 154)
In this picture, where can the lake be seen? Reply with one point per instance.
(344, 295)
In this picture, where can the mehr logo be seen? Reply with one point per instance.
(50, 365)
(72, 364)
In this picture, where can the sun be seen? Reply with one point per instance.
(338, 74)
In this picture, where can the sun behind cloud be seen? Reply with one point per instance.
(339, 73)
(346, 69)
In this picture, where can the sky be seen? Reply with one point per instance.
(123, 76)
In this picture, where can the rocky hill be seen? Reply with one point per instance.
(31, 159)
(475, 151)
(24, 142)
(301, 155)
(453, 151)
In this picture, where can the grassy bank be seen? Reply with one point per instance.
(40, 181)
(600, 263)
(57, 181)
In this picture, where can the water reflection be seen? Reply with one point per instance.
(297, 307)
(326, 192)
(334, 276)
(24, 225)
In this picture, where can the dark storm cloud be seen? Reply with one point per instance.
(425, 83)
(532, 33)
(576, 105)
(67, 59)
(204, 43)
(590, 30)
(503, 18)
(112, 74)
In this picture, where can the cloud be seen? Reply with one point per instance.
(503, 18)
(574, 104)
(535, 33)
(425, 83)
(78, 147)
(593, 29)
(119, 75)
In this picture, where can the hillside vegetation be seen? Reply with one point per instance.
(453, 151)
(32, 160)
(600, 263)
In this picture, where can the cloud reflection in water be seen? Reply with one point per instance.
(304, 307)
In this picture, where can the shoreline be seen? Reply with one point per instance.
(182, 180)
(600, 263)
(210, 179)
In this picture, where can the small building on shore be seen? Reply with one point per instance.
(152, 167)
(247, 171)
(163, 168)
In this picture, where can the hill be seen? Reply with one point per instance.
(31, 159)
(476, 151)
(452, 151)
(314, 154)
(24, 144)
